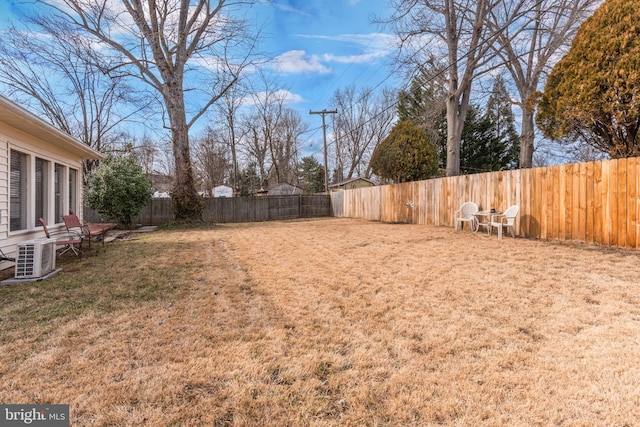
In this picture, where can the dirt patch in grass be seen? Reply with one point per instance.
(330, 322)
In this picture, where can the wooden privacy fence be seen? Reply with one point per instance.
(595, 202)
(236, 209)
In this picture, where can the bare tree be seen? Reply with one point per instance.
(540, 31)
(273, 134)
(424, 103)
(147, 153)
(362, 122)
(212, 159)
(228, 118)
(457, 30)
(49, 72)
(255, 147)
(181, 49)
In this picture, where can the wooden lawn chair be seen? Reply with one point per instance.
(88, 231)
(66, 239)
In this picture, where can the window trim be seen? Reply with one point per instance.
(30, 221)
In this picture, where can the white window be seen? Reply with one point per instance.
(18, 191)
(42, 190)
(58, 192)
(73, 191)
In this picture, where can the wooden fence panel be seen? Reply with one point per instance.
(613, 202)
(583, 183)
(589, 194)
(314, 206)
(596, 202)
(598, 232)
(553, 196)
(575, 202)
(235, 209)
(632, 206)
(337, 203)
(283, 207)
(621, 199)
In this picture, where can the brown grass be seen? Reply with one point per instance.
(331, 322)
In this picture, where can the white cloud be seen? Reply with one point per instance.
(283, 95)
(283, 7)
(351, 59)
(297, 61)
(373, 44)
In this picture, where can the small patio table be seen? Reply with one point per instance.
(482, 218)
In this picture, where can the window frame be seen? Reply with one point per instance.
(45, 189)
(18, 195)
(41, 190)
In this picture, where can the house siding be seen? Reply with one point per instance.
(11, 138)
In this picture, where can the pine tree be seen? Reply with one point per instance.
(311, 175)
(592, 93)
(499, 112)
(405, 155)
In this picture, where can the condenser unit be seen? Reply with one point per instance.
(35, 258)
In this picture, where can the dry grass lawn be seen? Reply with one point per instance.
(330, 322)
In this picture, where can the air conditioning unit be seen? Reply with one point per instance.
(35, 258)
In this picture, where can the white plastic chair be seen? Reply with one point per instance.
(507, 219)
(465, 214)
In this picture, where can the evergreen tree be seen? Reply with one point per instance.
(118, 188)
(482, 149)
(424, 104)
(405, 155)
(312, 175)
(488, 142)
(249, 180)
(499, 112)
(592, 93)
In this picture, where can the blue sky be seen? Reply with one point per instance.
(317, 47)
(320, 46)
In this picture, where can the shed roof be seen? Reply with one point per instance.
(346, 181)
(25, 121)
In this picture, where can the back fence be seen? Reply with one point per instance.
(595, 202)
(236, 209)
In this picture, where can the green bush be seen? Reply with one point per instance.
(118, 189)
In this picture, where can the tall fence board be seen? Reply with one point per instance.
(236, 209)
(593, 202)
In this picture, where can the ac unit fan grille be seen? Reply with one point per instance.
(36, 258)
(25, 262)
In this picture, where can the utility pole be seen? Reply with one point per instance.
(324, 134)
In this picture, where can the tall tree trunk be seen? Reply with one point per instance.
(527, 138)
(184, 198)
(453, 140)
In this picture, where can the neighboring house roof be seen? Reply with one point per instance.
(347, 181)
(284, 189)
(25, 121)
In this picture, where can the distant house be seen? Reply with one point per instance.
(161, 183)
(284, 189)
(351, 183)
(222, 191)
(40, 176)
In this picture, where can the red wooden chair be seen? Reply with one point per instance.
(89, 231)
(66, 239)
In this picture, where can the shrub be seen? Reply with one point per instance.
(118, 189)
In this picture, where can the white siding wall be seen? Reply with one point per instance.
(10, 138)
